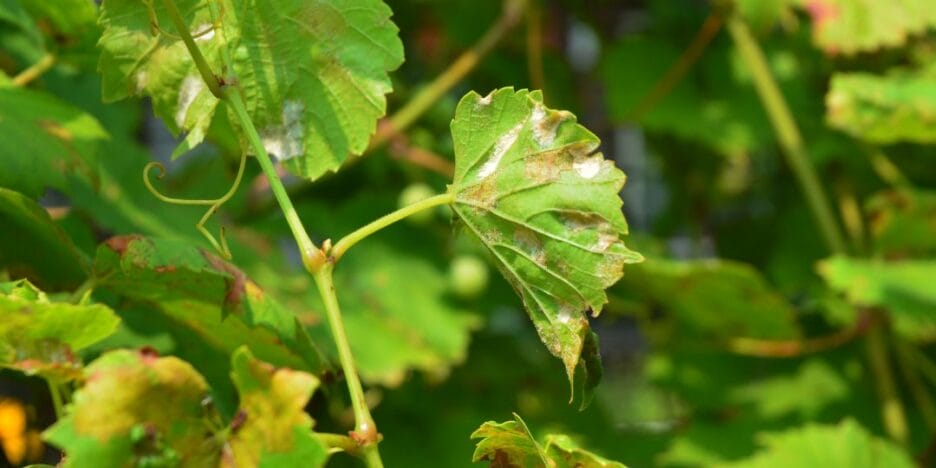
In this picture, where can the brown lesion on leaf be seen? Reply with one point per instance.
(547, 166)
(500, 460)
(236, 285)
(165, 269)
(120, 244)
(483, 193)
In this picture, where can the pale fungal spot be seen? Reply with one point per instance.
(606, 236)
(486, 100)
(192, 86)
(564, 316)
(503, 144)
(527, 241)
(204, 32)
(588, 167)
(287, 140)
(142, 79)
(546, 124)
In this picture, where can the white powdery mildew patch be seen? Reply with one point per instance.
(286, 141)
(204, 32)
(141, 78)
(192, 86)
(486, 100)
(546, 124)
(501, 147)
(588, 166)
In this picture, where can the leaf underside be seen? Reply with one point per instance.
(313, 74)
(531, 186)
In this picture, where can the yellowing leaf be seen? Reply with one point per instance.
(531, 186)
(851, 26)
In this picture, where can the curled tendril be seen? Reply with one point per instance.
(213, 205)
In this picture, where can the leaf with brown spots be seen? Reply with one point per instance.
(38, 336)
(209, 306)
(510, 444)
(530, 184)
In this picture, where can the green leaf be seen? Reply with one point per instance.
(44, 142)
(137, 409)
(313, 74)
(900, 106)
(852, 26)
(40, 337)
(68, 17)
(778, 396)
(277, 430)
(394, 296)
(53, 262)
(529, 184)
(846, 444)
(209, 306)
(902, 223)
(713, 298)
(511, 444)
(903, 288)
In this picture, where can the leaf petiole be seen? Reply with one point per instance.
(346, 242)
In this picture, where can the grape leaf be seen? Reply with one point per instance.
(210, 307)
(38, 336)
(313, 74)
(53, 262)
(511, 444)
(775, 397)
(529, 184)
(899, 106)
(852, 26)
(394, 296)
(903, 288)
(713, 298)
(846, 444)
(277, 430)
(137, 409)
(44, 142)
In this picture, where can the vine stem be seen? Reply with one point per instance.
(895, 421)
(403, 118)
(791, 142)
(57, 401)
(34, 71)
(348, 241)
(365, 431)
(200, 63)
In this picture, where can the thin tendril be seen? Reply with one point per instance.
(213, 205)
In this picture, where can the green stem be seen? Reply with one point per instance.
(365, 431)
(895, 421)
(348, 241)
(791, 142)
(57, 402)
(34, 71)
(338, 442)
(403, 118)
(203, 68)
(312, 256)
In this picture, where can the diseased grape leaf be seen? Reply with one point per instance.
(531, 186)
(313, 74)
(712, 298)
(138, 409)
(899, 106)
(208, 305)
(393, 294)
(903, 288)
(511, 444)
(276, 430)
(852, 26)
(53, 262)
(845, 444)
(44, 142)
(38, 336)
